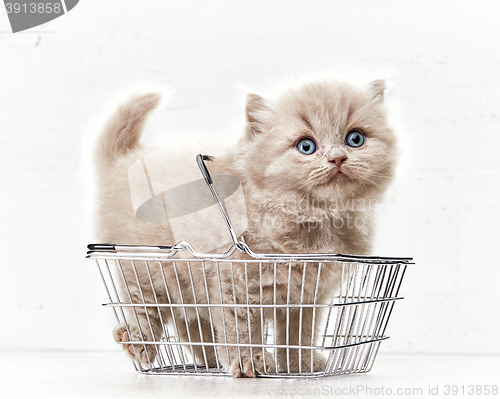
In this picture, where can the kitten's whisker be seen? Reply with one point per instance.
(319, 170)
(319, 173)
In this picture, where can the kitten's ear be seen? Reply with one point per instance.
(256, 108)
(377, 88)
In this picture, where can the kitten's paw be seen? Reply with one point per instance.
(264, 364)
(239, 371)
(144, 353)
(252, 369)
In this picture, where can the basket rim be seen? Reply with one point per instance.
(166, 252)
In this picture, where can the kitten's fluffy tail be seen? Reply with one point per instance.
(122, 127)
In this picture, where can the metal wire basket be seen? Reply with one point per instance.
(170, 304)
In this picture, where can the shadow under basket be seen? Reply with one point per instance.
(184, 312)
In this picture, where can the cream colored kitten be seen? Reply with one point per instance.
(312, 162)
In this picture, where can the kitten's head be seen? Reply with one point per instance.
(325, 139)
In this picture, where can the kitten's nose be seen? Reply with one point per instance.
(338, 160)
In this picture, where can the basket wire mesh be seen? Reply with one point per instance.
(173, 308)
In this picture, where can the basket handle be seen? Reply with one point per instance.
(203, 168)
(200, 158)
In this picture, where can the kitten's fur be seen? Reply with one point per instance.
(294, 205)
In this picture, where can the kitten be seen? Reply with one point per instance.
(306, 160)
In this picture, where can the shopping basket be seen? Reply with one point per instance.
(345, 331)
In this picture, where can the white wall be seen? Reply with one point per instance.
(444, 212)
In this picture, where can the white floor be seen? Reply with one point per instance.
(111, 375)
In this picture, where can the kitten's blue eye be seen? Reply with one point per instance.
(354, 139)
(306, 146)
